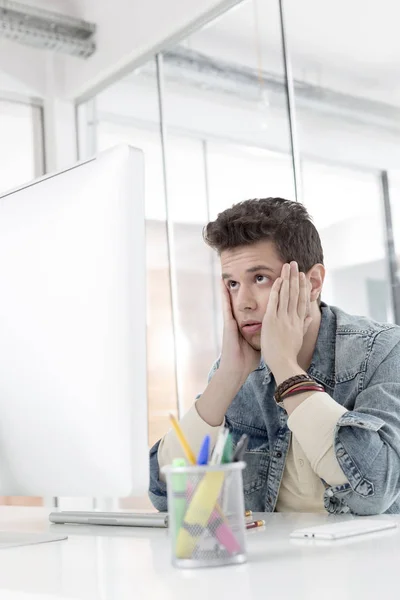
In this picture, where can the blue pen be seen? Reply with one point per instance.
(204, 451)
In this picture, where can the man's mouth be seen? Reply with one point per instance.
(251, 326)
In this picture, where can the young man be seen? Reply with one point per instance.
(328, 439)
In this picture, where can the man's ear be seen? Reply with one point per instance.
(316, 276)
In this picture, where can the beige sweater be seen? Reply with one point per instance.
(311, 454)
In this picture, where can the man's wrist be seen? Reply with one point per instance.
(286, 369)
(230, 380)
(214, 402)
(291, 404)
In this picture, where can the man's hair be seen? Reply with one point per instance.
(287, 224)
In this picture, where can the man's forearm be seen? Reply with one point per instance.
(216, 399)
(313, 424)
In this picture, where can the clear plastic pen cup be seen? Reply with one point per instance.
(206, 515)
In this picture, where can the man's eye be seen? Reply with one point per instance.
(261, 278)
(232, 285)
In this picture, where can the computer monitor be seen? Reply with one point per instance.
(73, 397)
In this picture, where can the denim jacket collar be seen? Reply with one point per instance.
(322, 366)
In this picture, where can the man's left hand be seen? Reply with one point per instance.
(285, 323)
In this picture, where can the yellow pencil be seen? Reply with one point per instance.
(183, 441)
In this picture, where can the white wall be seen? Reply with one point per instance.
(59, 118)
(22, 70)
(350, 290)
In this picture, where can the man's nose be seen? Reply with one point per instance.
(246, 300)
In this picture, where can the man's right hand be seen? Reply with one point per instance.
(238, 360)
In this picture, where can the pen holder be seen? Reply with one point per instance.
(206, 515)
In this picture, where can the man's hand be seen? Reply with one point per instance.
(285, 323)
(238, 358)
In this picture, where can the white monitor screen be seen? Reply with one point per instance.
(73, 402)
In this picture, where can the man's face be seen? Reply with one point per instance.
(249, 273)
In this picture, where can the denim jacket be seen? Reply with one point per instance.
(358, 363)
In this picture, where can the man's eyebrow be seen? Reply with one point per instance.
(251, 270)
(260, 268)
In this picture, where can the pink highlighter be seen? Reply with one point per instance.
(218, 527)
(224, 534)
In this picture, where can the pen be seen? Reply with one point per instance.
(227, 453)
(182, 439)
(228, 450)
(240, 448)
(202, 459)
(216, 457)
(255, 524)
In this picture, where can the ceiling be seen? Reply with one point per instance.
(73, 8)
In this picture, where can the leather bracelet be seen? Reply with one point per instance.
(296, 385)
(288, 383)
(301, 390)
(301, 384)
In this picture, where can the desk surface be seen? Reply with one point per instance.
(115, 563)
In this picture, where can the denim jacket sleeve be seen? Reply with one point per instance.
(157, 488)
(367, 439)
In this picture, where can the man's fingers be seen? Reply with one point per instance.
(302, 309)
(226, 303)
(307, 324)
(293, 288)
(273, 301)
(284, 291)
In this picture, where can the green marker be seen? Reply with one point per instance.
(179, 502)
(227, 454)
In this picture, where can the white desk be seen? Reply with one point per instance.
(111, 563)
